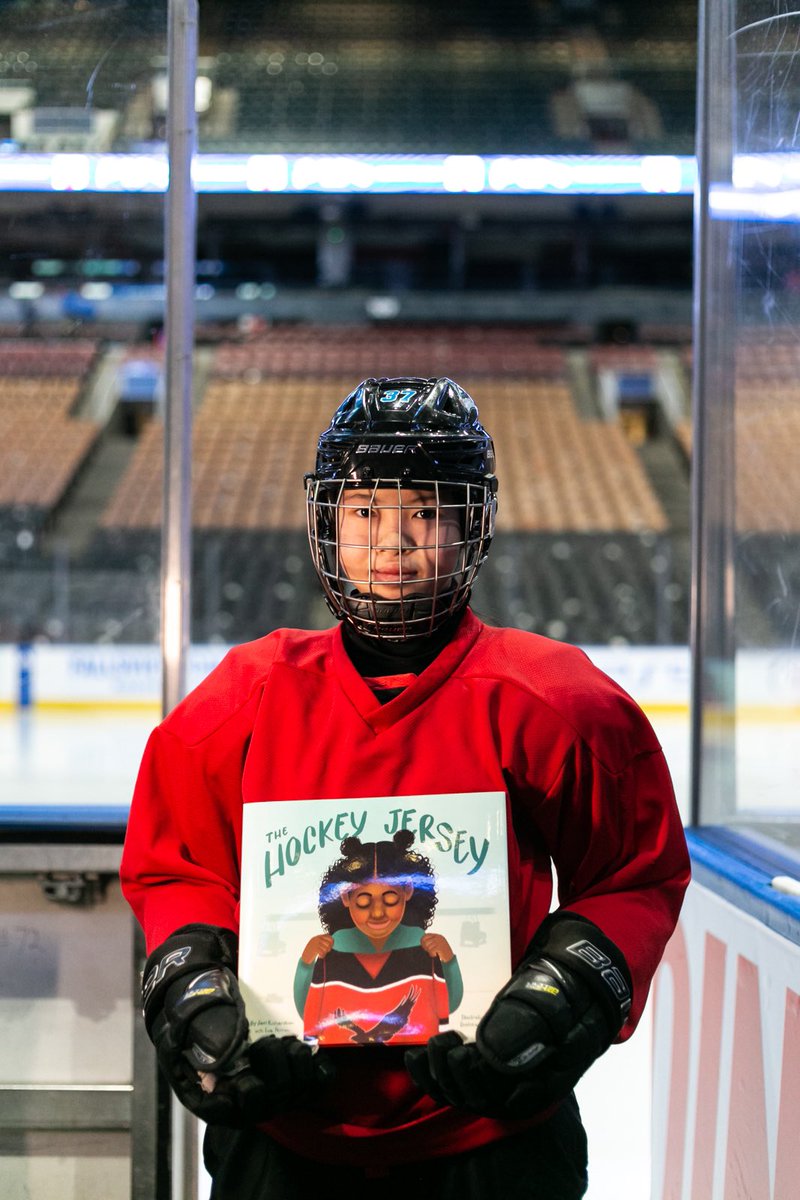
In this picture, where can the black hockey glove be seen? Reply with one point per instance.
(561, 1009)
(195, 1016)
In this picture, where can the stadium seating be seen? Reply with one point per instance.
(766, 417)
(43, 443)
(559, 471)
(584, 548)
(350, 77)
(38, 358)
(379, 97)
(566, 481)
(767, 575)
(268, 399)
(589, 588)
(765, 538)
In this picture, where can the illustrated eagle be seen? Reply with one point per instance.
(388, 1025)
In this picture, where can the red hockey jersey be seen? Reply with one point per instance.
(288, 718)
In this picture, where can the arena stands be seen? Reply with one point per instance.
(349, 77)
(266, 400)
(584, 546)
(371, 96)
(589, 588)
(767, 484)
(766, 417)
(764, 420)
(44, 442)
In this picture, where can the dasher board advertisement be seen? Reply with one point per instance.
(380, 920)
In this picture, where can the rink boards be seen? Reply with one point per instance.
(75, 676)
(726, 1065)
(74, 721)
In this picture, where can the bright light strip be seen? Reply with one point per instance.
(765, 186)
(266, 173)
(130, 173)
(727, 203)
(766, 171)
(26, 173)
(337, 174)
(70, 172)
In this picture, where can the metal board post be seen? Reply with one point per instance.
(163, 1136)
(713, 458)
(180, 237)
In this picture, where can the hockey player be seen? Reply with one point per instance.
(409, 695)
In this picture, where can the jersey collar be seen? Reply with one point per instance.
(381, 716)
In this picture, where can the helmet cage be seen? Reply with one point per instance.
(424, 602)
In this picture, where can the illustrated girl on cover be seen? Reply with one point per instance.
(375, 974)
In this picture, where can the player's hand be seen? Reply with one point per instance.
(560, 1010)
(195, 1017)
(236, 1100)
(272, 1076)
(437, 946)
(317, 947)
(290, 1070)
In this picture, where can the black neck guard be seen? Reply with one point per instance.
(374, 657)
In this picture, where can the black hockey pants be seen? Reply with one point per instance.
(547, 1162)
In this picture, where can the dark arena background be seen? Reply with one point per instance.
(565, 309)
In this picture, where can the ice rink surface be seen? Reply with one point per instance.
(88, 759)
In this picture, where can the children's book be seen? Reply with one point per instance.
(380, 920)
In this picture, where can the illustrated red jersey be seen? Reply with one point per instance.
(289, 718)
(399, 997)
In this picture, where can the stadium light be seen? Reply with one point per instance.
(361, 174)
(764, 186)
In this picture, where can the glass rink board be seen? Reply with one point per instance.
(69, 755)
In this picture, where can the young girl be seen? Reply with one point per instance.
(411, 695)
(375, 975)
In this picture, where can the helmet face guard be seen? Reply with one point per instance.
(397, 559)
(401, 506)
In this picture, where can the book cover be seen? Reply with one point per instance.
(379, 920)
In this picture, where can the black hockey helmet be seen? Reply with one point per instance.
(422, 428)
(389, 436)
